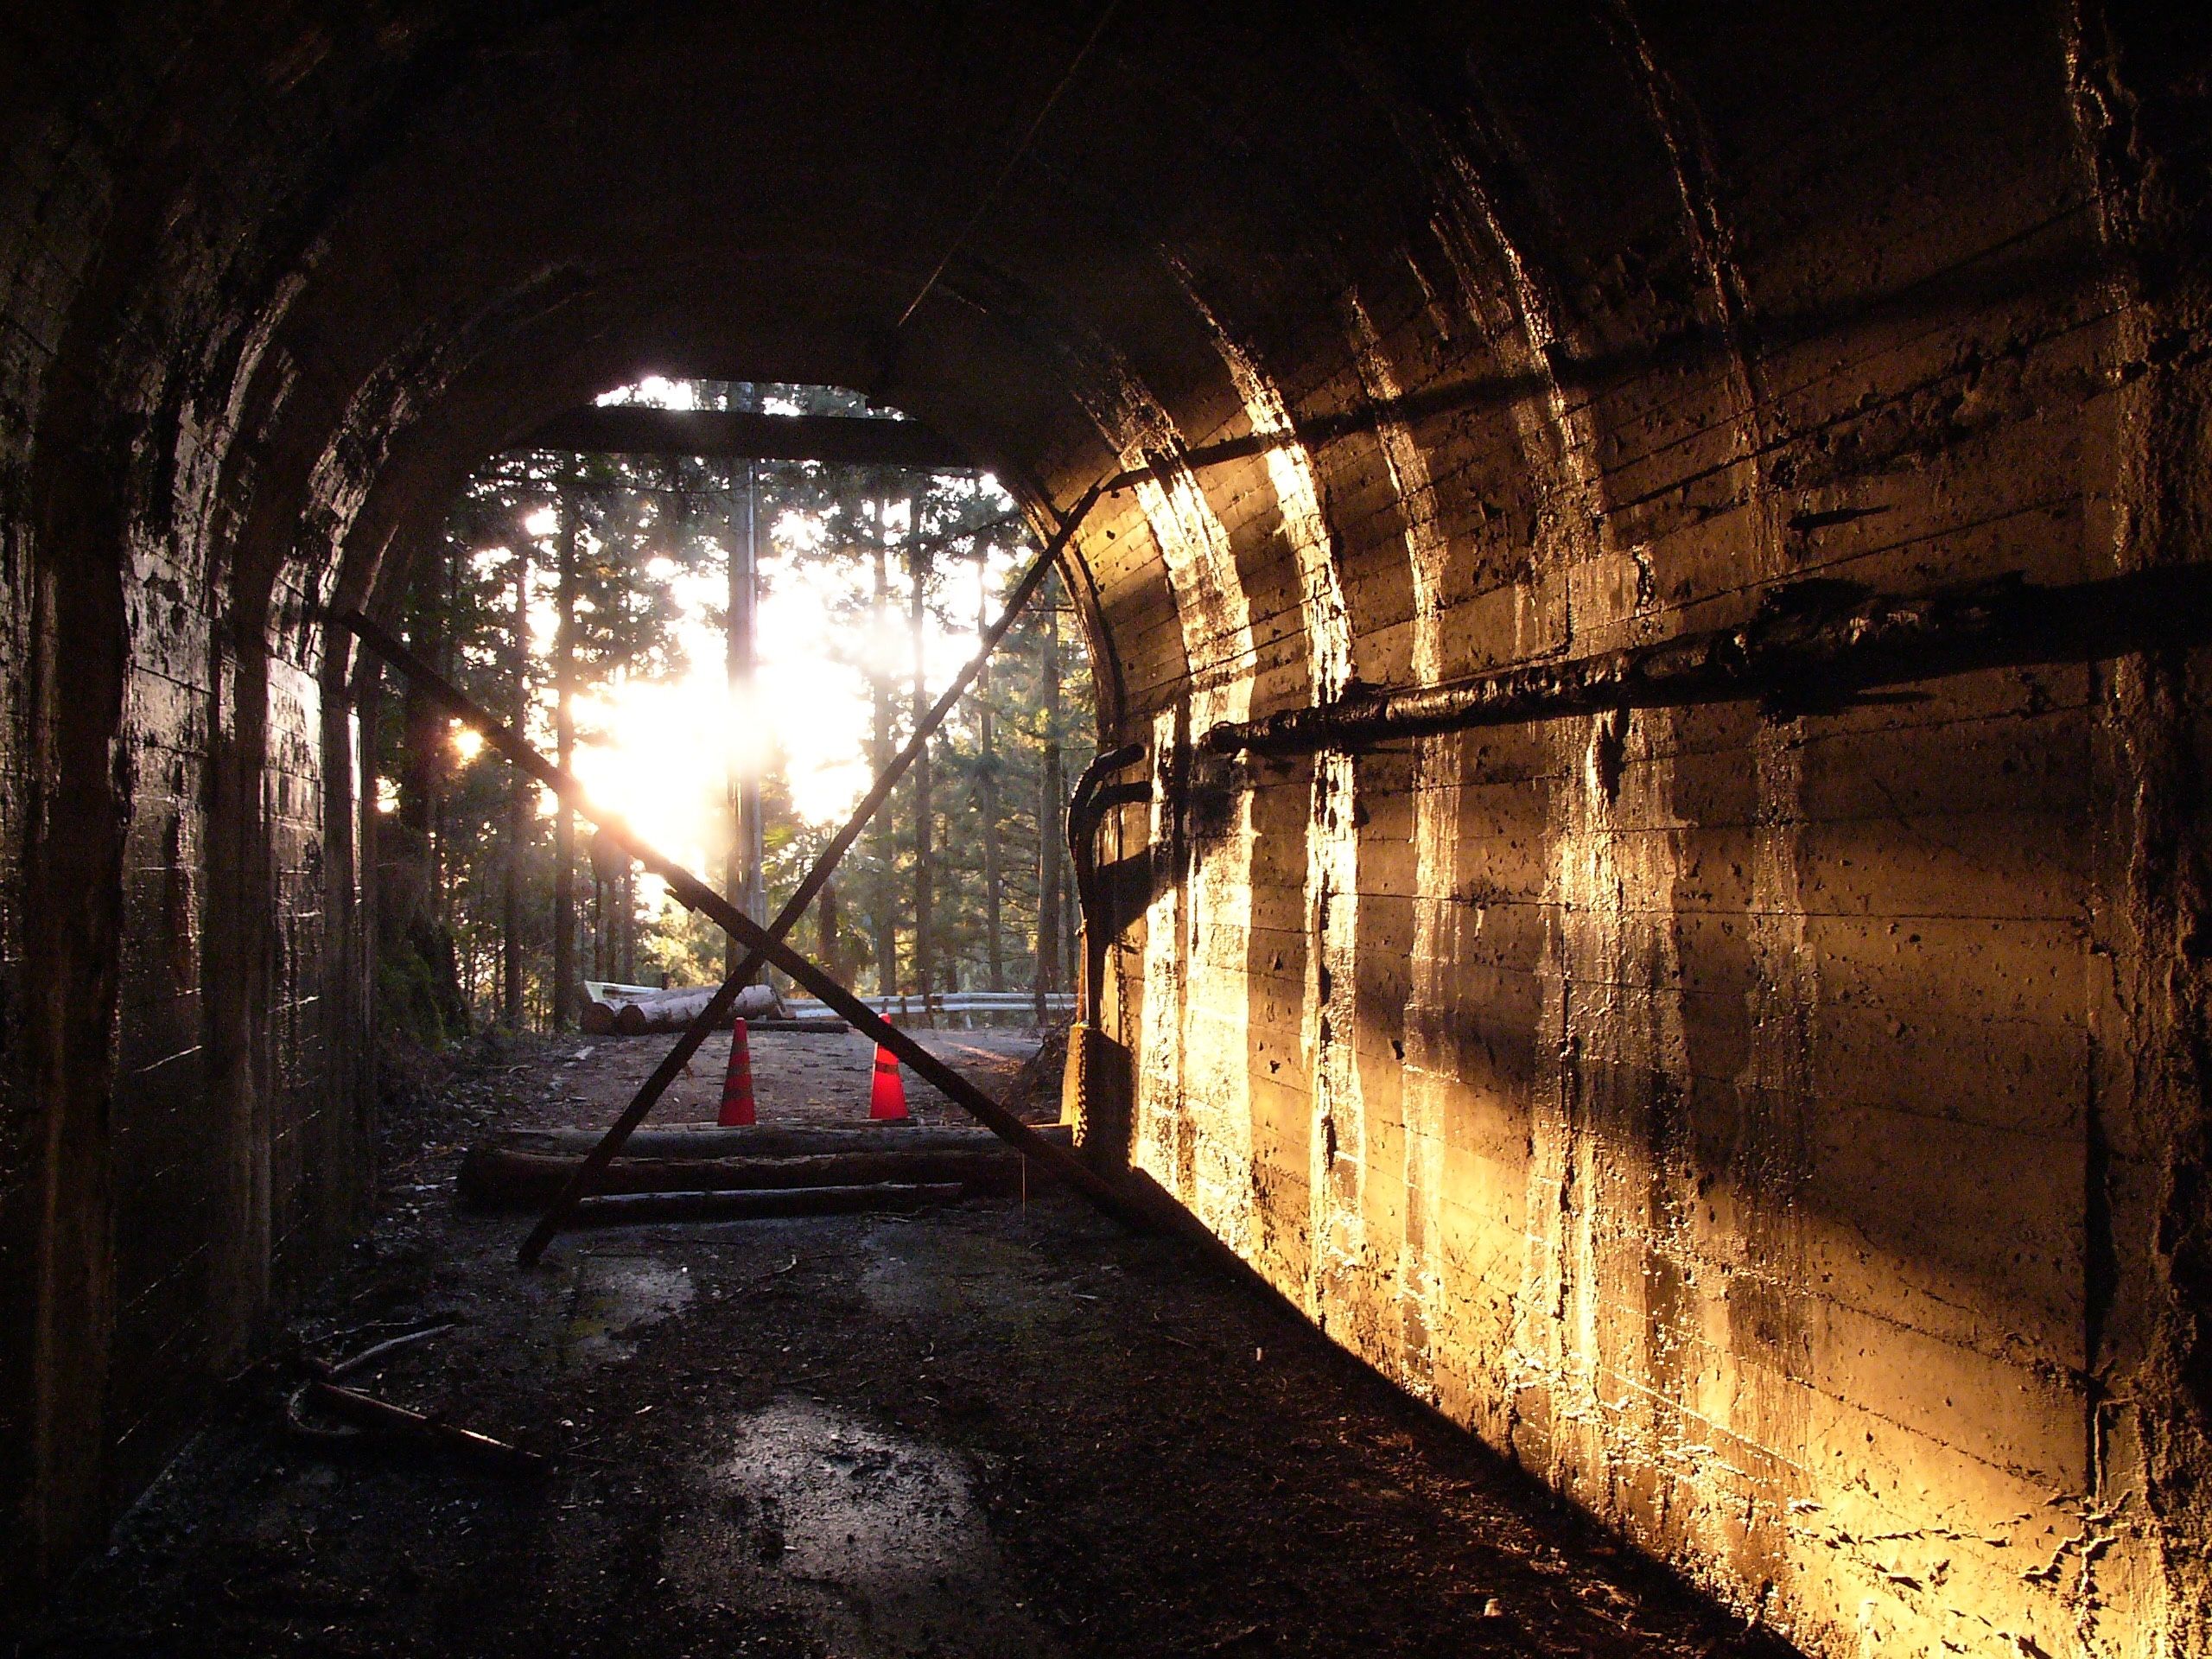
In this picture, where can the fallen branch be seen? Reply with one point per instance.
(366, 1411)
(376, 1351)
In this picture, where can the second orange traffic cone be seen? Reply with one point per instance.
(737, 1082)
(887, 1094)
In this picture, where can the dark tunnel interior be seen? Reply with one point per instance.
(1650, 558)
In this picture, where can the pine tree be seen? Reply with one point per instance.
(965, 858)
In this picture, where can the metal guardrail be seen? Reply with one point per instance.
(952, 1007)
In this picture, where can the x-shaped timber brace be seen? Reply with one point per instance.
(766, 945)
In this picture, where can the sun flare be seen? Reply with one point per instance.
(661, 751)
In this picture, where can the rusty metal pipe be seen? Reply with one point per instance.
(1816, 647)
(1084, 808)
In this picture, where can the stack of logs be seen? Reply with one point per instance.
(633, 1010)
(701, 1172)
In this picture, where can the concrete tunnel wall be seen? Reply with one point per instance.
(1784, 1136)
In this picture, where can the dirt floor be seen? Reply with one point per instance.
(993, 1429)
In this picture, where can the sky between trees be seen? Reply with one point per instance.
(468, 865)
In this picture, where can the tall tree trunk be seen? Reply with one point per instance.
(884, 831)
(564, 723)
(742, 870)
(598, 927)
(924, 897)
(1051, 788)
(426, 748)
(437, 751)
(627, 922)
(826, 920)
(988, 789)
(517, 805)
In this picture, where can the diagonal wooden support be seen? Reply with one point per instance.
(716, 1014)
(762, 944)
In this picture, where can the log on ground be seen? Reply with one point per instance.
(890, 1197)
(496, 1178)
(768, 1141)
(627, 1012)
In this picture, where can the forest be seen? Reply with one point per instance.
(600, 603)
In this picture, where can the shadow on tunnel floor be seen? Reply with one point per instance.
(1002, 1429)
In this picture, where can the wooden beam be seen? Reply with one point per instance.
(744, 434)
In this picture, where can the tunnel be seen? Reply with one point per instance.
(1646, 557)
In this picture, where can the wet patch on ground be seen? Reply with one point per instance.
(874, 1540)
(615, 1297)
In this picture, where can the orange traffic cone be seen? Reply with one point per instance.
(737, 1082)
(887, 1094)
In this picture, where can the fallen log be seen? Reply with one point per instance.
(597, 1000)
(889, 1196)
(674, 1010)
(770, 1141)
(494, 1178)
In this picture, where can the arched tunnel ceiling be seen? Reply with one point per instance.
(679, 189)
(426, 230)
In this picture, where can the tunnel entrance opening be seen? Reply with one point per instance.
(725, 650)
